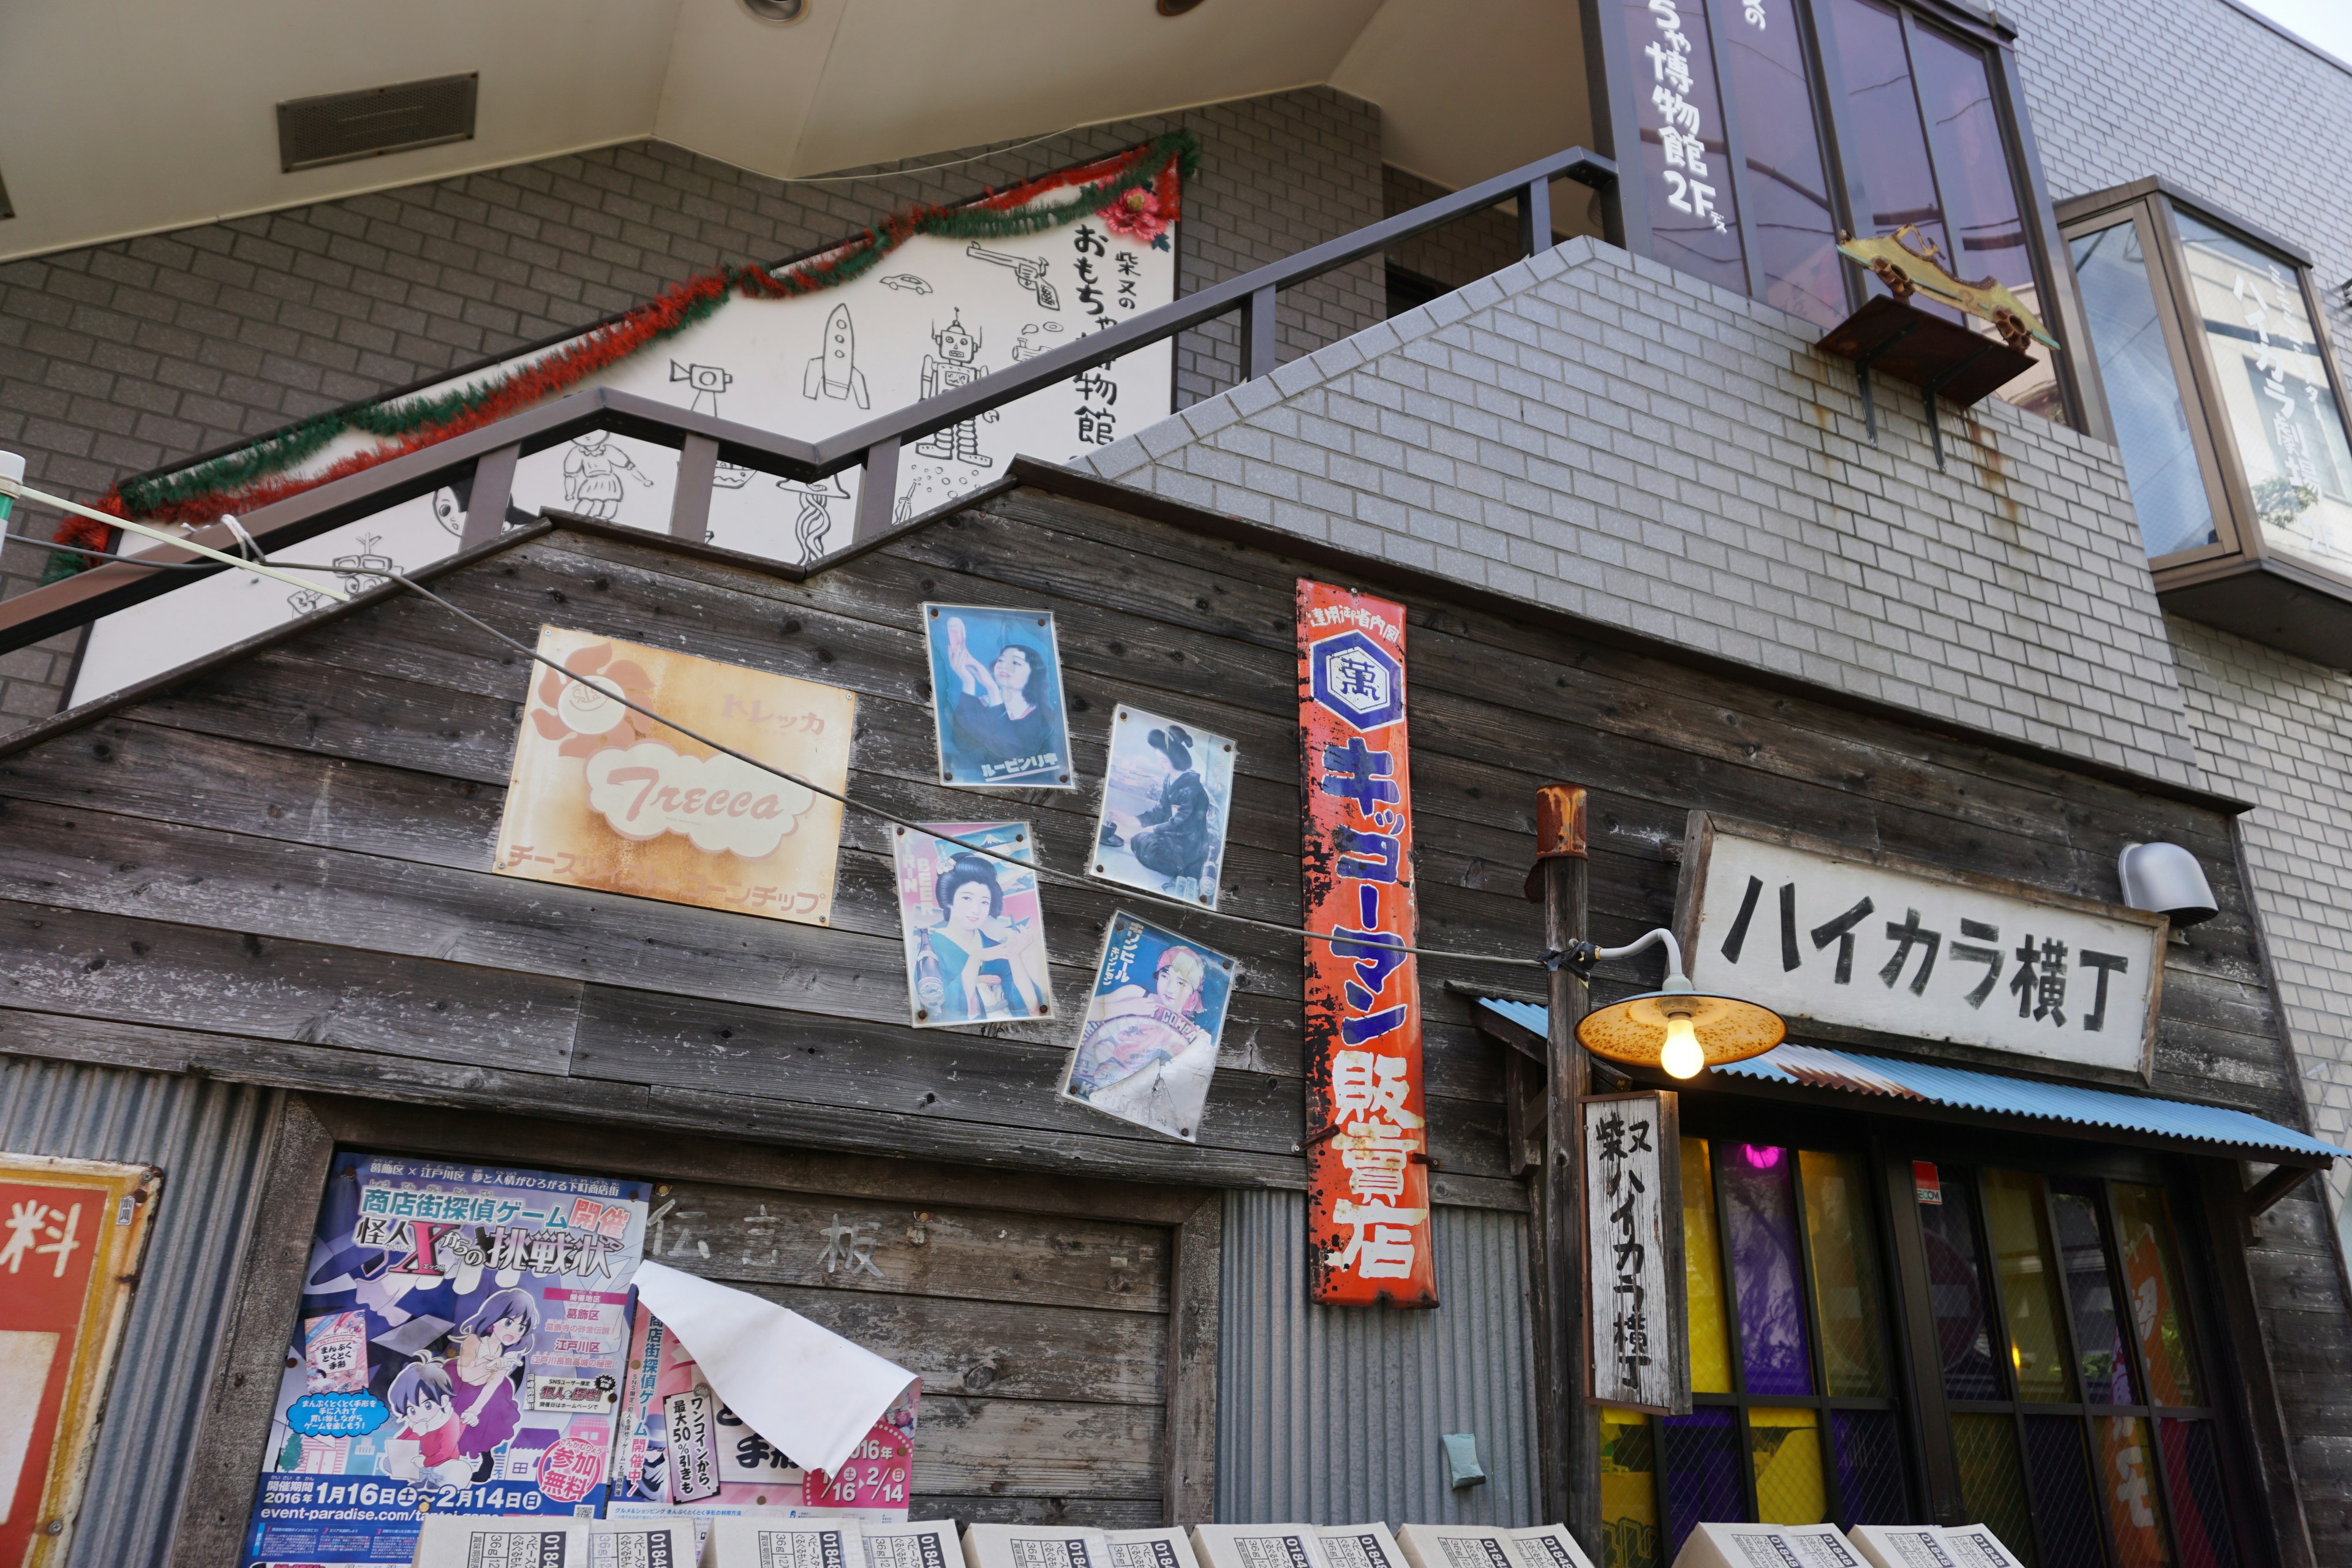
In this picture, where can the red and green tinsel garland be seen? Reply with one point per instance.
(1136, 192)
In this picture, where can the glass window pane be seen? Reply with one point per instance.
(1982, 208)
(1992, 1485)
(1889, 157)
(1759, 1217)
(1956, 1282)
(1629, 1491)
(1786, 186)
(2102, 1359)
(2280, 409)
(2127, 1475)
(1701, 1455)
(2070, 1531)
(1785, 1446)
(1846, 1273)
(1870, 1485)
(2167, 485)
(1685, 159)
(2201, 1516)
(2015, 1226)
(2151, 1265)
(1710, 1350)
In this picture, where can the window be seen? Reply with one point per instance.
(2227, 410)
(2073, 1413)
(1765, 126)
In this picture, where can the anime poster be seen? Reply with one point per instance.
(1168, 791)
(602, 796)
(997, 696)
(1367, 1147)
(680, 1449)
(459, 1348)
(1148, 1045)
(975, 934)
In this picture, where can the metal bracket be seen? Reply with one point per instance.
(1862, 377)
(1928, 394)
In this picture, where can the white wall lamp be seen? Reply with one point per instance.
(2166, 879)
(1676, 1027)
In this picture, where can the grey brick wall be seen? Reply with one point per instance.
(1599, 433)
(120, 358)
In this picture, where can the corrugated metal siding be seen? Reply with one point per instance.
(209, 1139)
(1332, 1416)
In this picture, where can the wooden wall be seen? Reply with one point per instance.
(277, 869)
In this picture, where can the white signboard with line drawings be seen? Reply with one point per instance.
(935, 315)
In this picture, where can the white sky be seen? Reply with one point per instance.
(2327, 23)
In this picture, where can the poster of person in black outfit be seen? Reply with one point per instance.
(1167, 792)
(996, 694)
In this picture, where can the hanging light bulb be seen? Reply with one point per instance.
(1682, 1056)
(1676, 1027)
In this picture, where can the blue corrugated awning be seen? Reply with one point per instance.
(1896, 1077)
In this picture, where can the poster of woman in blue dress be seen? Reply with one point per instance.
(1148, 1045)
(1167, 792)
(975, 936)
(996, 695)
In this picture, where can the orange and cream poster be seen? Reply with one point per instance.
(602, 796)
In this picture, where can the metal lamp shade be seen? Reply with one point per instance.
(1635, 1031)
(2166, 879)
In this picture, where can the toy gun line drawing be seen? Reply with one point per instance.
(1027, 271)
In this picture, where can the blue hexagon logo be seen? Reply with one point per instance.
(1358, 679)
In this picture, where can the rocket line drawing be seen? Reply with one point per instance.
(834, 372)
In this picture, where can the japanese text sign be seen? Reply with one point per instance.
(1367, 1147)
(602, 796)
(71, 1233)
(1638, 1351)
(1866, 941)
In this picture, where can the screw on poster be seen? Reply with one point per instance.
(680, 1449)
(1367, 1149)
(1148, 1045)
(459, 1349)
(1168, 793)
(975, 935)
(996, 697)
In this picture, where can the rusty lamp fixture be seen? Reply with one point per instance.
(1677, 1027)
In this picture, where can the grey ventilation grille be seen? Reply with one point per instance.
(342, 126)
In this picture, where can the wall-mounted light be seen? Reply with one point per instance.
(1176, 7)
(2166, 880)
(1676, 1027)
(777, 10)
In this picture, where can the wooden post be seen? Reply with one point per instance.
(1568, 1429)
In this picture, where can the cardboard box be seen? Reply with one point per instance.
(1166, 1548)
(485, 1540)
(736, 1541)
(1034, 1546)
(1768, 1546)
(1258, 1545)
(921, 1544)
(1361, 1546)
(1932, 1546)
(1459, 1546)
(643, 1543)
(1549, 1546)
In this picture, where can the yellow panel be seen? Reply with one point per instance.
(1845, 1272)
(1710, 1350)
(1786, 1448)
(1629, 1494)
(2018, 1228)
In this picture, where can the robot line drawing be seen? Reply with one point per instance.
(834, 372)
(708, 381)
(592, 475)
(954, 366)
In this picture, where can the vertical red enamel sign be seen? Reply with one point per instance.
(1366, 1164)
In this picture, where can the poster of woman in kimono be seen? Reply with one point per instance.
(975, 935)
(1149, 1046)
(997, 696)
(1167, 792)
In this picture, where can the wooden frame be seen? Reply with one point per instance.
(223, 1471)
(2241, 581)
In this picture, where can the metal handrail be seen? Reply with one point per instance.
(704, 440)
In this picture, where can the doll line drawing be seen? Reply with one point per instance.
(592, 475)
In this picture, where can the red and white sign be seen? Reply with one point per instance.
(1367, 1144)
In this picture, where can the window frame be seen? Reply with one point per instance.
(2151, 202)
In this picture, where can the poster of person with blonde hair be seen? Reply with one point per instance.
(1148, 1045)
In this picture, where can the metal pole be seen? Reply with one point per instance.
(1569, 1429)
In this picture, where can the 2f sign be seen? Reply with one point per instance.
(1638, 1348)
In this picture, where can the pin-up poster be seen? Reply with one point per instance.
(1366, 1146)
(459, 1349)
(1149, 1046)
(996, 698)
(681, 1449)
(1168, 791)
(602, 796)
(975, 935)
